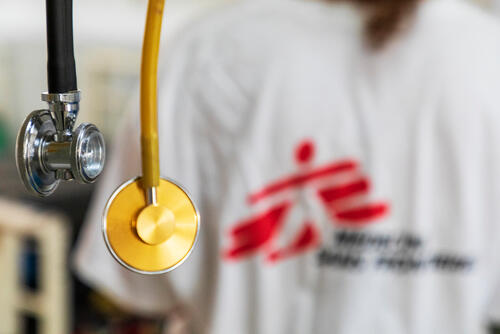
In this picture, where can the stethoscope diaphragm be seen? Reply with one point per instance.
(150, 239)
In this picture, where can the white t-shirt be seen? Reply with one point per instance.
(341, 190)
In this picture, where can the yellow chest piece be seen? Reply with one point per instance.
(150, 239)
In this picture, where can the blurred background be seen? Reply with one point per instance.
(37, 235)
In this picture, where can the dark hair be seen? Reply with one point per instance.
(384, 18)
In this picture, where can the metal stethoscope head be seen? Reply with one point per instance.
(49, 150)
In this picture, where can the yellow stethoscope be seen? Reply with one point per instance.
(150, 224)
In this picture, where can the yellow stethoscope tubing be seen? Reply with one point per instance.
(149, 95)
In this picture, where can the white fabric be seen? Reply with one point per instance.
(421, 118)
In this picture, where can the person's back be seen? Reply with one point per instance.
(342, 189)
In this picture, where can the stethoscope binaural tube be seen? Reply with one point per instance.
(149, 99)
(61, 68)
(48, 149)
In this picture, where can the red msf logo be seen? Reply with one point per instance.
(341, 189)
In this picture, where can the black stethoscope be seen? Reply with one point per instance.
(49, 148)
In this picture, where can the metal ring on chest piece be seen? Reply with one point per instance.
(36, 129)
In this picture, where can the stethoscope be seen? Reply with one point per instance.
(150, 224)
(49, 149)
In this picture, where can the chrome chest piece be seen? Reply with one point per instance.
(50, 150)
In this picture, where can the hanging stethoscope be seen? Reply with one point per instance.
(150, 225)
(48, 148)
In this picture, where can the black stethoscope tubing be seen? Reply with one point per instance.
(61, 69)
